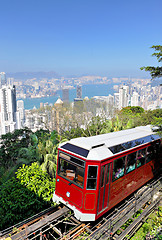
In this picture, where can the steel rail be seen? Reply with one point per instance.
(37, 226)
(30, 220)
(135, 224)
(111, 223)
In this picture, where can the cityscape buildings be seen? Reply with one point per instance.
(60, 118)
(9, 117)
(52, 116)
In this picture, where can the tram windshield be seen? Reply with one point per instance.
(71, 168)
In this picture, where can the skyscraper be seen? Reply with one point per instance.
(79, 92)
(65, 95)
(135, 99)
(21, 112)
(7, 106)
(116, 100)
(3, 80)
(78, 101)
(123, 96)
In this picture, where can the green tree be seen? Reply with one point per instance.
(22, 150)
(117, 124)
(48, 152)
(132, 110)
(49, 157)
(73, 133)
(155, 71)
(36, 180)
(95, 126)
(129, 116)
(11, 144)
(42, 134)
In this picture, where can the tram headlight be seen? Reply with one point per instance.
(68, 194)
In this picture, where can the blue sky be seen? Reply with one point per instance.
(73, 37)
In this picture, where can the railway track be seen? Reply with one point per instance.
(33, 225)
(113, 226)
(60, 224)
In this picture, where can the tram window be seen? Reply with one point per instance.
(131, 162)
(141, 157)
(92, 177)
(66, 169)
(156, 147)
(149, 154)
(71, 172)
(118, 170)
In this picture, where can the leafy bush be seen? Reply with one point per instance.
(24, 196)
(17, 203)
(36, 180)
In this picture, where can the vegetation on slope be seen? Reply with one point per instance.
(28, 161)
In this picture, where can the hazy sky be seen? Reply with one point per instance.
(105, 37)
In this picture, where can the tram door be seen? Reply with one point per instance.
(104, 187)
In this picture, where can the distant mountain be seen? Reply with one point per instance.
(28, 75)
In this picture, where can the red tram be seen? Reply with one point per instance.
(96, 173)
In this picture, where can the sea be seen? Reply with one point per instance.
(89, 91)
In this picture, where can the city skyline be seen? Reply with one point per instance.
(111, 38)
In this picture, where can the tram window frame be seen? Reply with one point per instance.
(156, 146)
(92, 180)
(121, 170)
(152, 154)
(130, 169)
(140, 155)
(103, 168)
(107, 173)
(70, 171)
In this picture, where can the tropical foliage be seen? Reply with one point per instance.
(155, 71)
(25, 195)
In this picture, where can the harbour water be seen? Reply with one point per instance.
(87, 90)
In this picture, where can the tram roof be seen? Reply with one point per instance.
(106, 145)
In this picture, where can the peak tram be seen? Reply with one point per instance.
(96, 173)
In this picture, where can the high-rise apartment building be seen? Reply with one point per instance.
(79, 92)
(56, 115)
(3, 80)
(65, 95)
(8, 113)
(123, 96)
(135, 99)
(110, 100)
(21, 112)
(116, 100)
(78, 101)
